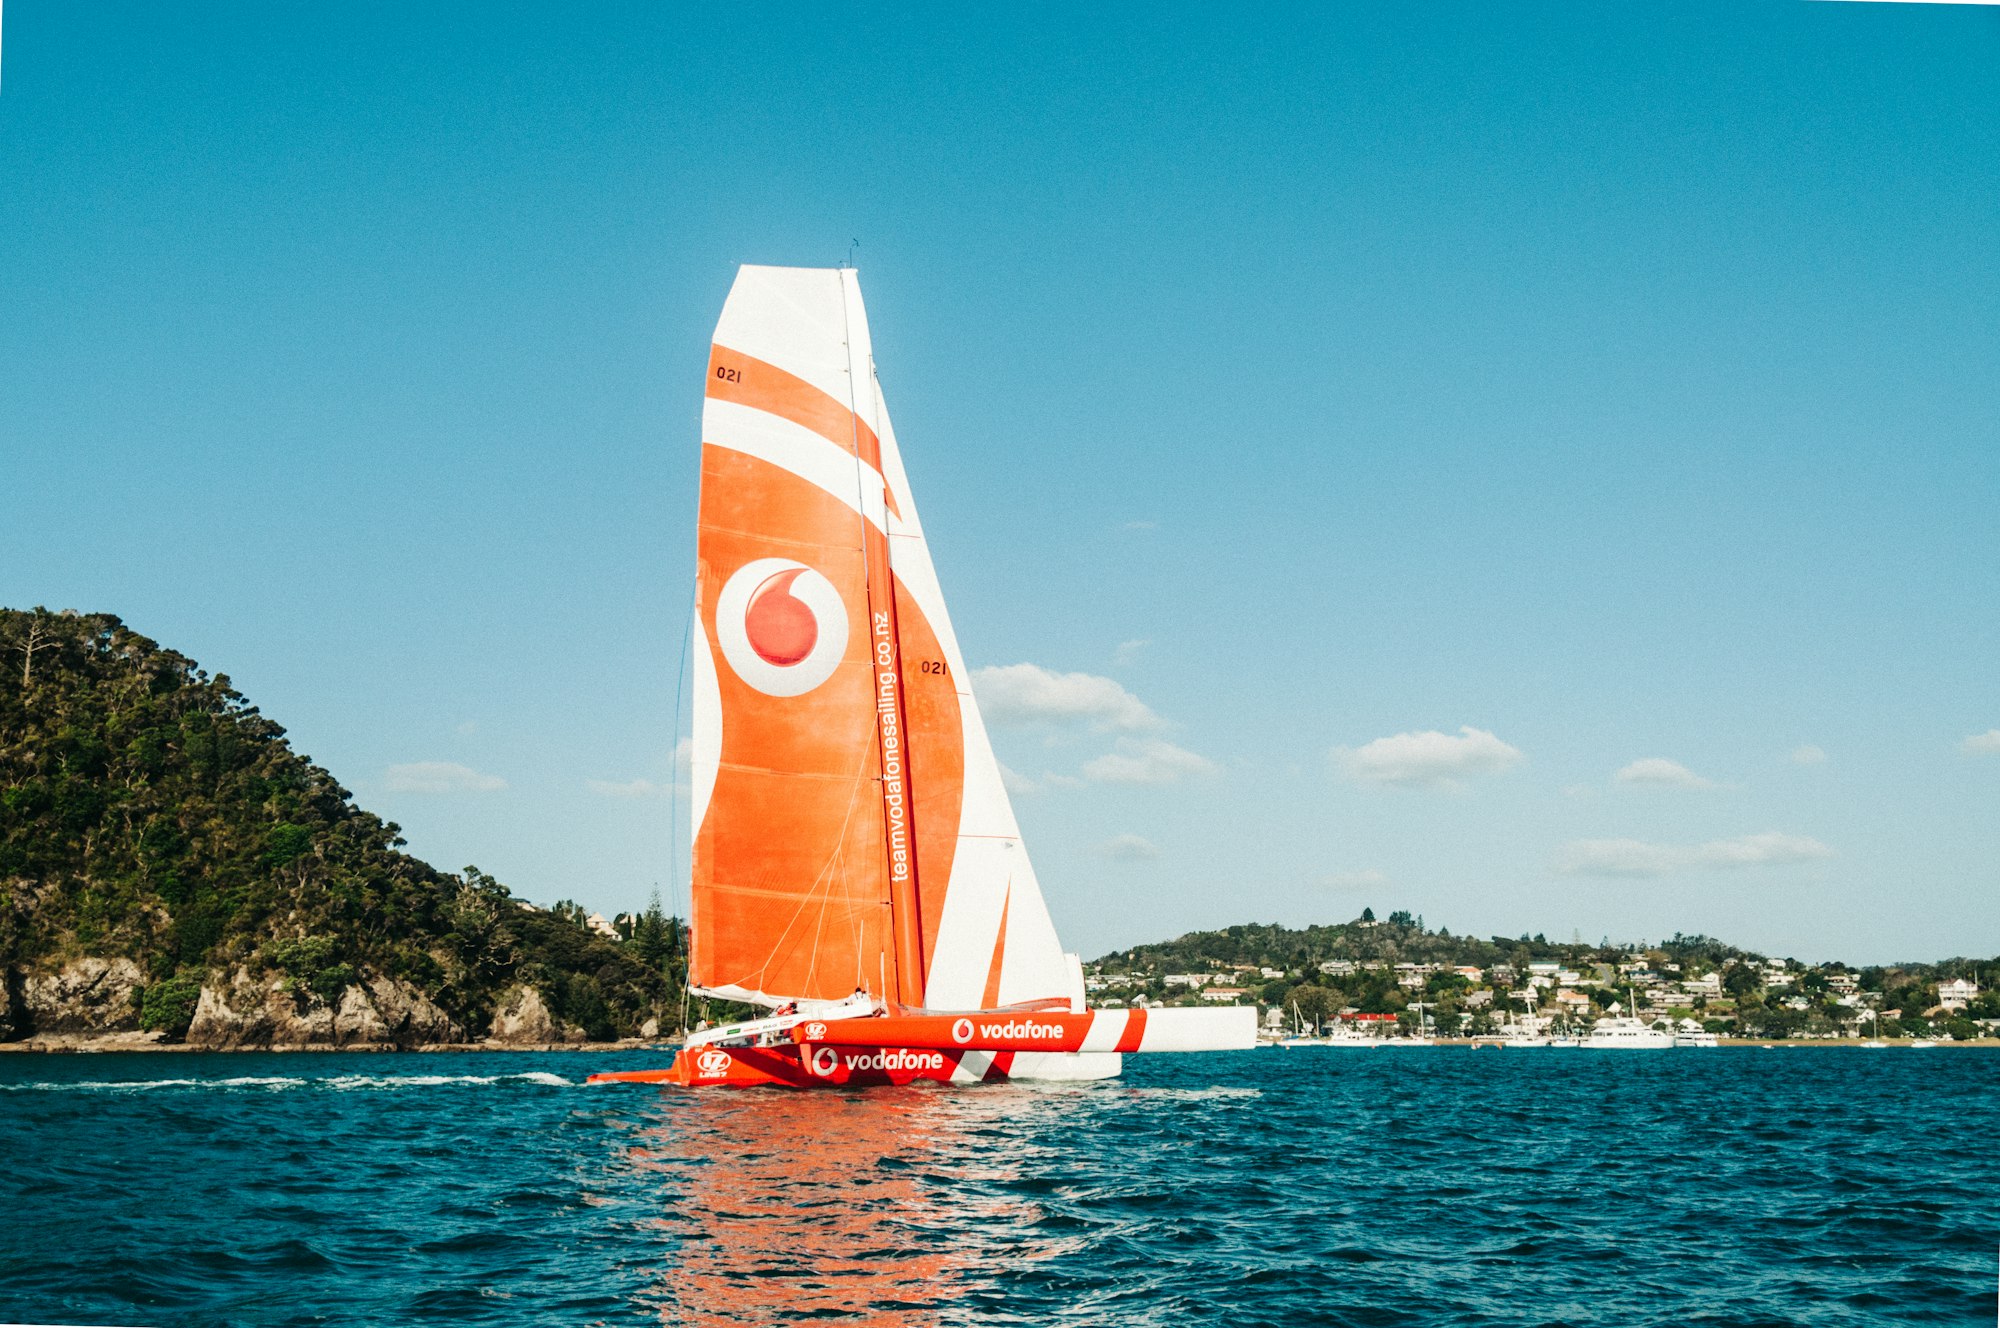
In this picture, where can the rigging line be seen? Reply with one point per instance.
(674, 807)
(822, 884)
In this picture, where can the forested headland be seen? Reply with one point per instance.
(172, 866)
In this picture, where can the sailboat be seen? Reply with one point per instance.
(857, 869)
(1300, 1037)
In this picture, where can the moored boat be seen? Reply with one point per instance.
(1624, 1033)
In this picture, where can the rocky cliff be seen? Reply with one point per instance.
(171, 869)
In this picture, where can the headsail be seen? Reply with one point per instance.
(851, 829)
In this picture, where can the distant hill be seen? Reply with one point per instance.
(171, 865)
(1399, 938)
(1394, 965)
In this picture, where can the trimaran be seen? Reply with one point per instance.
(857, 869)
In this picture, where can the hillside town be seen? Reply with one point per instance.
(1395, 977)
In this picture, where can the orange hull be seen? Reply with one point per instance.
(795, 1066)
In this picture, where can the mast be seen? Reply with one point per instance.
(885, 657)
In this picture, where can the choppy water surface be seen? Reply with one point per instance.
(1733, 1187)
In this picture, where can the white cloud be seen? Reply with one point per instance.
(631, 788)
(1353, 882)
(1016, 783)
(1128, 651)
(1768, 848)
(1127, 848)
(1809, 755)
(1429, 758)
(1030, 694)
(1636, 857)
(649, 788)
(439, 777)
(1145, 761)
(1659, 771)
(1982, 744)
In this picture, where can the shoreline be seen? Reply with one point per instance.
(72, 1045)
(82, 1045)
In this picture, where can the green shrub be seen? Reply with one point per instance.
(168, 1006)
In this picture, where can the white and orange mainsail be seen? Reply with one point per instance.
(851, 832)
(856, 863)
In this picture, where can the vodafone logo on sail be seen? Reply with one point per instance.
(781, 625)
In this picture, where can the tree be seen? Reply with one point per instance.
(1742, 981)
(1316, 1004)
(32, 640)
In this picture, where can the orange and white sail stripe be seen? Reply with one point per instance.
(815, 765)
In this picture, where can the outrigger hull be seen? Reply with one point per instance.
(801, 1066)
(978, 1046)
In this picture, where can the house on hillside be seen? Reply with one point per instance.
(1957, 993)
(1572, 1002)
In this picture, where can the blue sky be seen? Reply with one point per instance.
(1579, 385)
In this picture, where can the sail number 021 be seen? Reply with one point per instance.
(936, 666)
(727, 374)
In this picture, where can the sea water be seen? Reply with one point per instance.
(1283, 1187)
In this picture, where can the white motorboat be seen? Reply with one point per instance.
(1624, 1033)
(1342, 1036)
